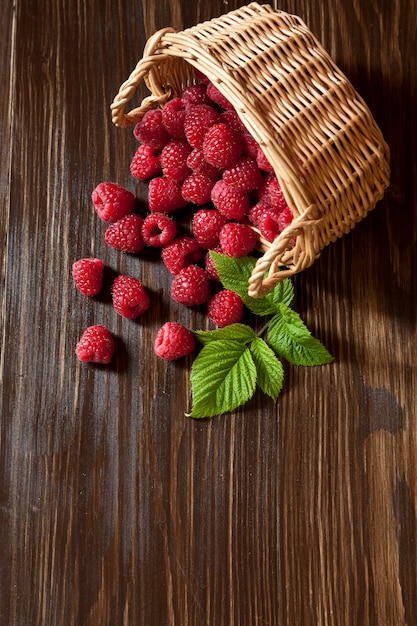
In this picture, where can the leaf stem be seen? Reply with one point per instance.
(263, 329)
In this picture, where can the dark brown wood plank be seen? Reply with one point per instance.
(115, 507)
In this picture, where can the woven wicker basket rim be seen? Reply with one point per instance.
(319, 135)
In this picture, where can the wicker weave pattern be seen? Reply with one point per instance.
(317, 132)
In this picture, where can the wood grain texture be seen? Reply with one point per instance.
(117, 509)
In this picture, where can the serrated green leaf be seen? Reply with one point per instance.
(223, 377)
(269, 368)
(234, 275)
(237, 332)
(291, 339)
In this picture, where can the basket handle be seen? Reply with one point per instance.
(142, 71)
(259, 284)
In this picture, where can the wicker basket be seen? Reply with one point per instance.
(328, 154)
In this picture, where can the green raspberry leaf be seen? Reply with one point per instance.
(291, 339)
(237, 332)
(269, 368)
(223, 377)
(234, 275)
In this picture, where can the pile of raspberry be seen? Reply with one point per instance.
(194, 154)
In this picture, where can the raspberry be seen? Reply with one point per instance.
(255, 212)
(231, 118)
(173, 116)
(285, 218)
(96, 345)
(173, 341)
(207, 224)
(198, 120)
(88, 276)
(112, 202)
(130, 298)
(196, 188)
(225, 307)
(158, 229)
(151, 130)
(164, 195)
(174, 160)
(250, 145)
(125, 234)
(210, 266)
(215, 94)
(222, 146)
(271, 193)
(263, 162)
(244, 175)
(269, 224)
(145, 163)
(197, 163)
(191, 286)
(237, 240)
(231, 202)
(195, 94)
(180, 253)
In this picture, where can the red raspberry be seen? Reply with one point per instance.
(195, 94)
(197, 163)
(191, 286)
(232, 119)
(225, 308)
(145, 163)
(207, 224)
(244, 175)
(125, 234)
(215, 94)
(164, 195)
(174, 160)
(231, 202)
(271, 193)
(112, 202)
(263, 162)
(255, 212)
(180, 253)
(237, 240)
(151, 130)
(173, 341)
(269, 224)
(196, 188)
(285, 218)
(198, 120)
(158, 229)
(96, 345)
(222, 146)
(210, 265)
(88, 276)
(173, 117)
(250, 146)
(130, 298)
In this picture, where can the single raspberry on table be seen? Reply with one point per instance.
(174, 159)
(244, 175)
(191, 286)
(206, 226)
(130, 298)
(195, 94)
(197, 187)
(181, 252)
(164, 195)
(198, 119)
(125, 234)
(225, 307)
(237, 240)
(145, 163)
(96, 345)
(158, 229)
(88, 276)
(216, 96)
(197, 163)
(173, 117)
(222, 146)
(231, 202)
(151, 130)
(112, 202)
(173, 341)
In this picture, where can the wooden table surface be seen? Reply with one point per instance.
(116, 508)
